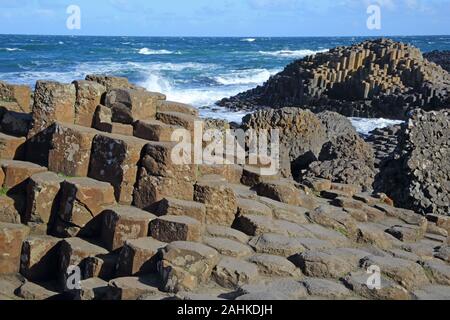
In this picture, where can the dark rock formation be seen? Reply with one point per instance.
(441, 58)
(418, 174)
(379, 78)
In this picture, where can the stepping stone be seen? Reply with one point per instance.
(17, 173)
(358, 283)
(220, 202)
(444, 253)
(8, 211)
(114, 159)
(88, 97)
(139, 256)
(408, 274)
(270, 265)
(176, 207)
(228, 233)
(285, 211)
(292, 229)
(70, 150)
(252, 207)
(74, 252)
(440, 221)
(177, 119)
(373, 235)
(230, 172)
(263, 296)
(348, 203)
(276, 244)
(130, 105)
(232, 273)
(348, 188)
(91, 289)
(317, 184)
(425, 251)
(334, 218)
(39, 257)
(438, 271)
(323, 264)
(357, 214)
(326, 289)
(186, 265)
(11, 238)
(367, 199)
(176, 228)
(101, 266)
(131, 288)
(121, 223)
(407, 216)
(406, 233)
(284, 192)
(229, 247)
(402, 254)
(31, 291)
(82, 199)
(254, 225)
(11, 147)
(322, 233)
(171, 106)
(286, 287)
(42, 191)
(314, 244)
(154, 130)
(432, 292)
(252, 176)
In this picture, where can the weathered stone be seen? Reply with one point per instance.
(371, 234)
(32, 291)
(100, 266)
(139, 256)
(39, 258)
(432, 292)
(276, 244)
(115, 159)
(441, 221)
(439, 271)
(285, 287)
(317, 184)
(323, 264)
(252, 176)
(339, 220)
(131, 288)
(270, 265)
(171, 106)
(227, 233)
(326, 288)
(88, 97)
(220, 202)
(11, 238)
(285, 211)
(315, 244)
(254, 225)
(53, 102)
(15, 123)
(8, 211)
(408, 274)
(82, 199)
(42, 197)
(11, 147)
(129, 105)
(179, 119)
(176, 207)
(19, 94)
(123, 223)
(185, 265)
(154, 130)
(232, 273)
(285, 192)
(406, 233)
(176, 228)
(91, 289)
(9, 284)
(17, 173)
(110, 82)
(357, 282)
(229, 247)
(70, 151)
(332, 236)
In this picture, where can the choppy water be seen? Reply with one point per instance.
(198, 71)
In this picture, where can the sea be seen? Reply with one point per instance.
(194, 70)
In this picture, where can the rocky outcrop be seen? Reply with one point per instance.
(418, 173)
(441, 58)
(379, 78)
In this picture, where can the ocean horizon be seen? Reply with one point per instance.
(193, 70)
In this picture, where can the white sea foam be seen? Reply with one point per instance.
(365, 125)
(147, 51)
(248, 40)
(11, 49)
(291, 53)
(251, 76)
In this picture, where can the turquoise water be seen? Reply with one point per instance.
(198, 71)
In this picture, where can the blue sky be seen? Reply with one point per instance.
(225, 17)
